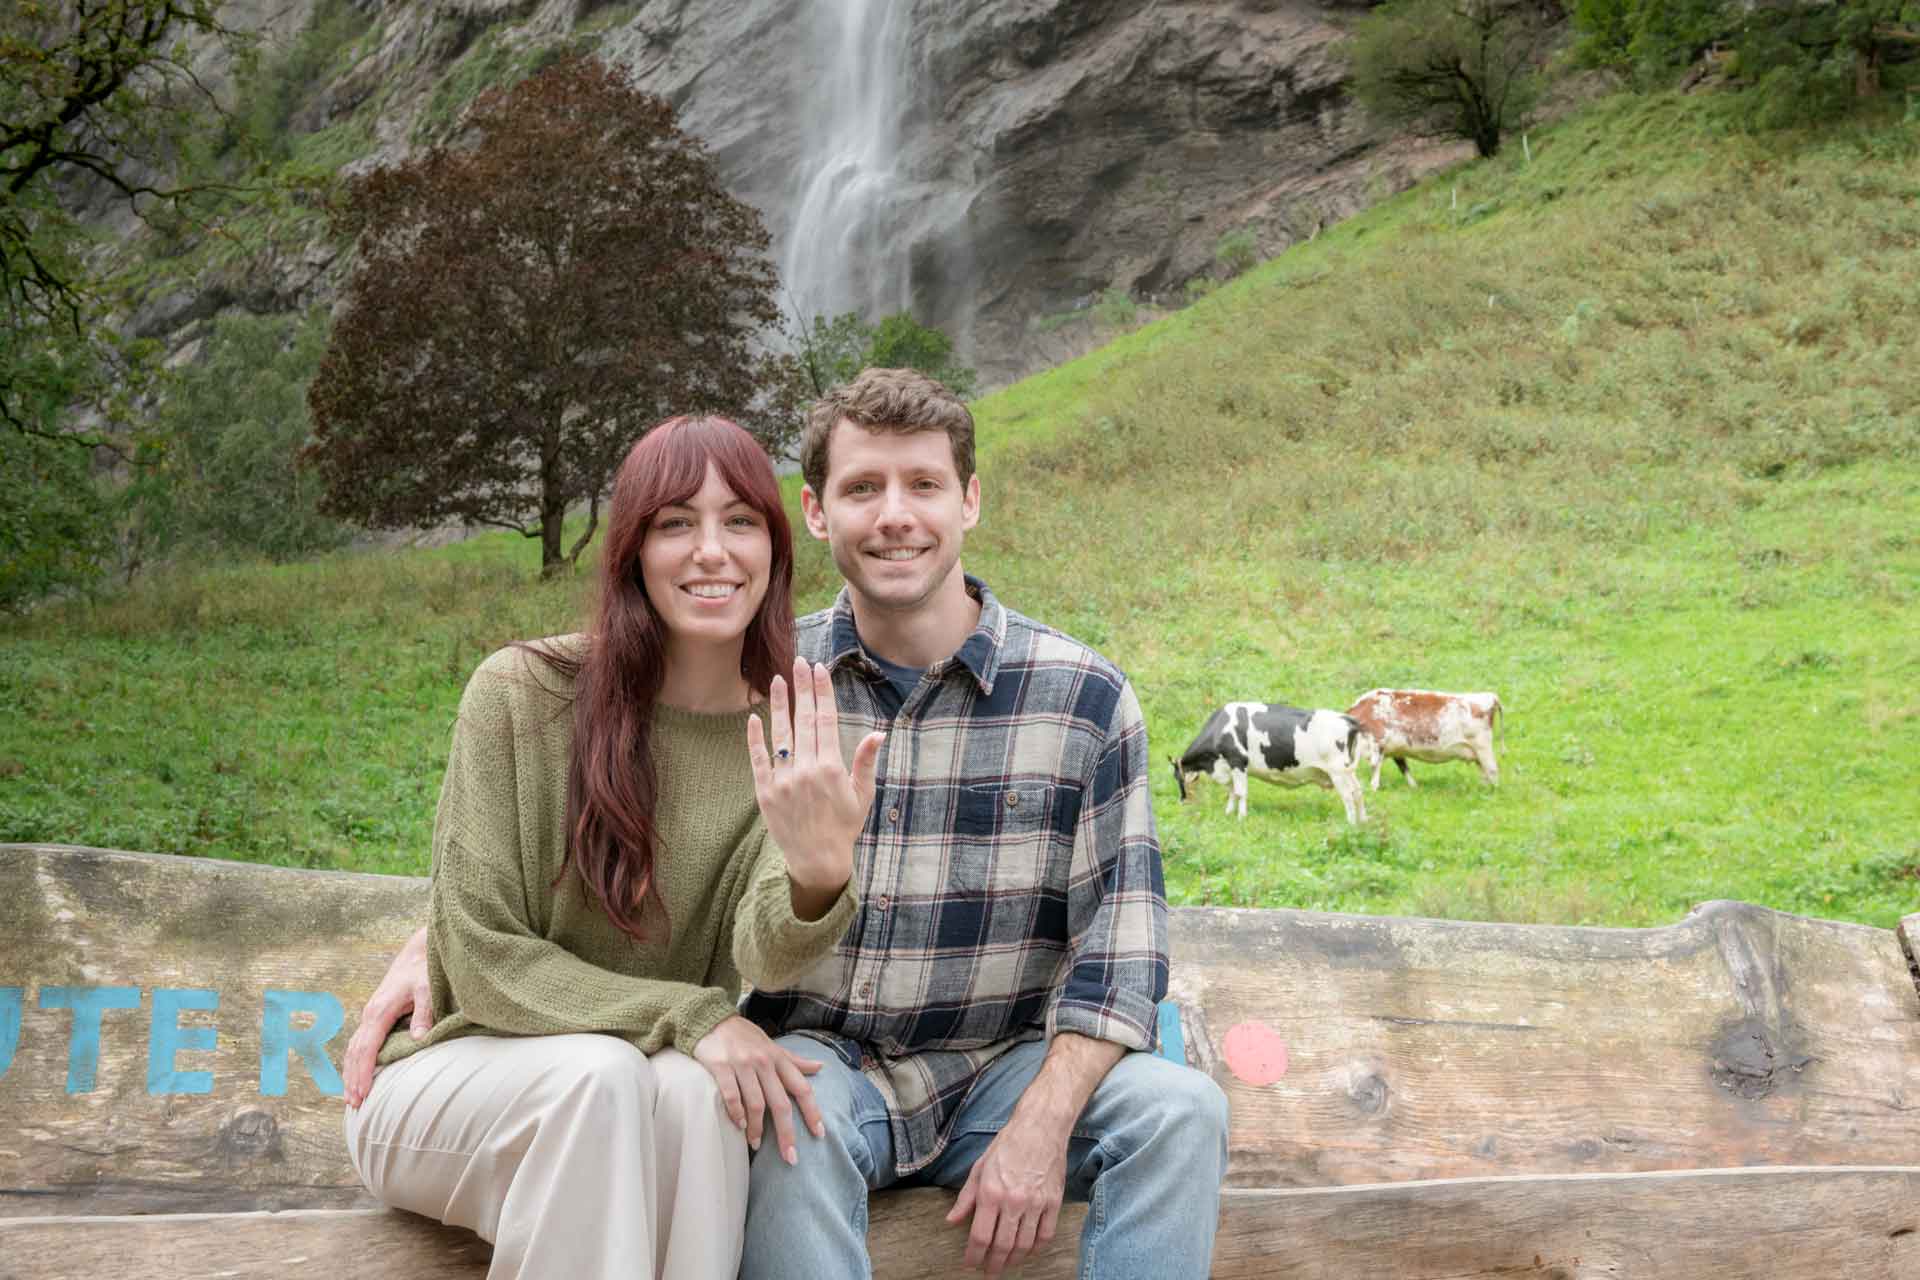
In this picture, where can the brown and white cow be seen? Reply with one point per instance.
(1421, 724)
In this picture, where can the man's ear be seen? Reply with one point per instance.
(815, 514)
(970, 503)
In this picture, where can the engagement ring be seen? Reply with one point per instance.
(782, 754)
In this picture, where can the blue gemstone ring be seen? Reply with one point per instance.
(782, 754)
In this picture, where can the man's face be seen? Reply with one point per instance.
(893, 512)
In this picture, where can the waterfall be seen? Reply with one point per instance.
(859, 214)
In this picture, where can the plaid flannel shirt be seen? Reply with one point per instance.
(1009, 875)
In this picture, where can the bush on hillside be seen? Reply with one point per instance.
(1116, 308)
(1236, 252)
(1805, 60)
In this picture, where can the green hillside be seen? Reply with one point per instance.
(1629, 433)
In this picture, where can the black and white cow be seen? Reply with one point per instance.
(1284, 745)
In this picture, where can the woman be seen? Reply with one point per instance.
(618, 841)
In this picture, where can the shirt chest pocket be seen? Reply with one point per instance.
(1006, 838)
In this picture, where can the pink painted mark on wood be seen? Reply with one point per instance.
(1255, 1053)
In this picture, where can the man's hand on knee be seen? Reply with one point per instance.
(405, 987)
(1013, 1194)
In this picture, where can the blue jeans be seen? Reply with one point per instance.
(1148, 1155)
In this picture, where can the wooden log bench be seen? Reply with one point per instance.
(1733, 1095)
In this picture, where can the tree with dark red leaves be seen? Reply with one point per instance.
(527, 303)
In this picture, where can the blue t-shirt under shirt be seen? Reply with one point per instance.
(903, 679)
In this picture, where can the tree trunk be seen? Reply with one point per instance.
(553, 503)
(1866, 70)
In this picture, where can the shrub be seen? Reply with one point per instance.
(1116, 308)
(1236, 252)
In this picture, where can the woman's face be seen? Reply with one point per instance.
(705, 563)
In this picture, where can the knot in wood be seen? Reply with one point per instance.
(250, 1135)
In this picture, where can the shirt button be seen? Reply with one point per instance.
(883, 901)
(893, 814)
(1013, 799)
(866, 990)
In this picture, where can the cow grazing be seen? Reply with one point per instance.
(1283, 745)
(1420, 724)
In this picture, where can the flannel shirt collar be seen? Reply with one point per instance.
(979, 653)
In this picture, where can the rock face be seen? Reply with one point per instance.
(1047, 150)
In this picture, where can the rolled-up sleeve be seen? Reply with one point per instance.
(1117, 904)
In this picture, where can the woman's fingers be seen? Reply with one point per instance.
(755, 1103)
(780, 722)
(826, 716)
(806, 728)
(757, 756)
(779, 1110)
(730, 1095)
(793, 1078)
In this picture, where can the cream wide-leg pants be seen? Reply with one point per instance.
(576, 1156)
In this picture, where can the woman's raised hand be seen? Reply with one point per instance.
(814, 805)
(756, 1077)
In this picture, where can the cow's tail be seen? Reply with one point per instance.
(1353, 742)
(1499, 718)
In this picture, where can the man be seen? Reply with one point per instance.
(985, 1024)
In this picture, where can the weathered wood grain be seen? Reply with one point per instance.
(1728, 1224)
(1415, 1049)
(353, 1244)
(1423, 1049)
(87, 918)
(1731, 1224)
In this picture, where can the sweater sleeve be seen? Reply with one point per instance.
(502, 973)
(772, 946)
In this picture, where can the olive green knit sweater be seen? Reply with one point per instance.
(510, 952)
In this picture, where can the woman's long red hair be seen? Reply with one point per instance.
(611, 788)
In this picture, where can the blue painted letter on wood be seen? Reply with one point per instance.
(279, 1039)
(169, 1039)
(87, 1003)
(10, 999)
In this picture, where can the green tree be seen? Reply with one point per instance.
(1808, 59)
(901, 342)
(1450, 68)
(56, 527)
(525, 308)
(101, 107)
(98, 99)
(1816, 59)
(833, 351)
(236, 421)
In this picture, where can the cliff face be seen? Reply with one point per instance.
(1035, 152)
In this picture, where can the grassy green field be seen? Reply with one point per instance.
(1630, 434)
